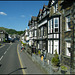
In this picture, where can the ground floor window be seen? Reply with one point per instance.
(56, 46)
(67, 47)
(52, 46)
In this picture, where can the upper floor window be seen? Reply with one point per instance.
(49, 26)
(35, 33)
(68, 23)
(56, 24)
(55, 8)
(52, 2)
(44, 13)
(41, 31)
(40, 18)
(53, 25)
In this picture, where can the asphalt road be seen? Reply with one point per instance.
(9, 60)
(31, 67)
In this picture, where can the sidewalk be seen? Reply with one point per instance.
(32, 67)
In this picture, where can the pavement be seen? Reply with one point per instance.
(27, 63)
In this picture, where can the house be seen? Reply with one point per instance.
(42, 28)
(68, 34)
(56, 31)
(30, 33)
(27, 36)
(54, 28)
(3, 35)
(33, 32)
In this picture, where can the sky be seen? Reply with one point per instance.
(16, 14)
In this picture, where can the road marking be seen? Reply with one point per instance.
(1, 58)
(9, 47)
(20, 61)
(5, 52)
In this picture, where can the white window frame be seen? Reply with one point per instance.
(35, 33)
(49, 26)
(68, 45)
(67, 21)
(55, 8)
(50, 46)
(56, 23)
(56, 46)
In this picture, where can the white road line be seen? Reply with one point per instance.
(1, 58)
(8, 47)
(5, 52)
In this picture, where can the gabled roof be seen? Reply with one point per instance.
(44, 6)
(33, 18)
(29, 23)
(40, 11)
(49, 3)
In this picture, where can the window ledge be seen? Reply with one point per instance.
(67, 31)
(66, 56)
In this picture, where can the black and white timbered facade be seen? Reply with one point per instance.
(42, 28)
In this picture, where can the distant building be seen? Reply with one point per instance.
(3, 35)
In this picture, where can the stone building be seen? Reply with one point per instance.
(68, 34)
(3, 35)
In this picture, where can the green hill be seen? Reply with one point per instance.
(11, 31)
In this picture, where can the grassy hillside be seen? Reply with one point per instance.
(11, 31)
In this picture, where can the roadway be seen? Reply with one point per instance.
(9, 61)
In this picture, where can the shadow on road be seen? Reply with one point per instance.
(17, 70)
(0, 65)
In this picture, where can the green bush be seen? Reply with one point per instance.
(55, 59)
(39, 52)
(63, 68)
(0, 44)
(24, 44)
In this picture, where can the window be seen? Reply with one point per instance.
(68, 23)
(40, 18)
(50, 46)
(45, 31)
(56, 24)
(55, 8)
(56, 46)
(52, 2)
(49, 26)
(40, 44)
(35, 33)
(41, 31)
(44, 13)
(68, 45)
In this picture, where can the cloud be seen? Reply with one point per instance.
(22, 16)
(2, 13)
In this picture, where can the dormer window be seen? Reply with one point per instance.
(44, 13)
(52, 2)
(44, 9)
(55, 8)
(40, 18)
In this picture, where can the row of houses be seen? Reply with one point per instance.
(54, 29)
